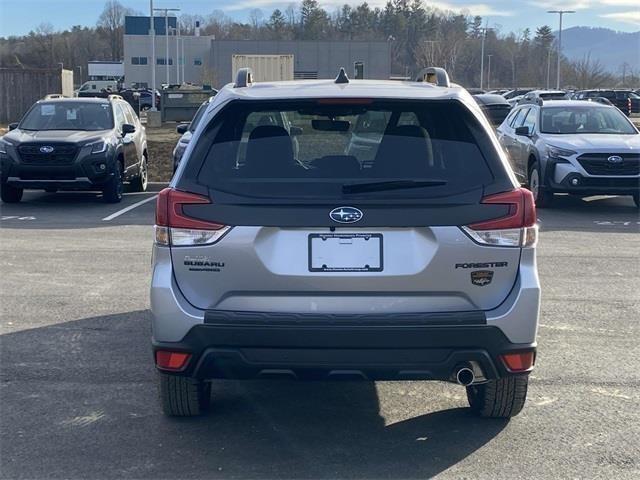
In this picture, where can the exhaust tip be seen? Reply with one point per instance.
(465, 376)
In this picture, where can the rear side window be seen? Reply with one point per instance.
(314, 148)
(516, 121)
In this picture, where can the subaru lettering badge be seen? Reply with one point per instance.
(615, 159)
(345, 214)
(46, 149)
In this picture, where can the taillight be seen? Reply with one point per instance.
(516, 229)
(175, 228)
(629, 105)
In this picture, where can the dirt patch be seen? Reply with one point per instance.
(161, 142)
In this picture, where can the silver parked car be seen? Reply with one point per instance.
(407, 253)
(572, 146)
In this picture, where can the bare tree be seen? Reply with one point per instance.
(111, 21)
(587, 73)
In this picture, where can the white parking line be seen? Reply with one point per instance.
(129, 208)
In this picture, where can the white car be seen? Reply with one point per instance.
(571, 146)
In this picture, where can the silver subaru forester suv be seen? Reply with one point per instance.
(392, 243)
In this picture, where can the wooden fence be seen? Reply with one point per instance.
(20, 88)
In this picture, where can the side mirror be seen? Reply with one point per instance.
(127, 128)
(523, 131)
(13, 126)
(293, 131)
(182, 128)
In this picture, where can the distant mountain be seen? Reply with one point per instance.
(610, 47)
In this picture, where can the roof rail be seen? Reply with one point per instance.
(114, 96)
(51, 96)
(244, 78)
(434, 75)
(342, 76)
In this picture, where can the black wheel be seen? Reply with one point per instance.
(10, 194)
(636, 199)
(502, 398)
(542, 197)
(112, 191)
(183, 396)
(139, 184)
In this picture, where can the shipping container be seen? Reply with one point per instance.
(266, 68)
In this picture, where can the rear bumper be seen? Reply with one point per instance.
(243, 345)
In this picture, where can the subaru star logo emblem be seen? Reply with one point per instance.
(615, 159)
(345, 214)
(46, 149)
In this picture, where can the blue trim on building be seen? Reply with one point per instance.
(140, 25)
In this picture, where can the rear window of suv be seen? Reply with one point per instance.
(327, 148)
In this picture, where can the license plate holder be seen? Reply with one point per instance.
(345, 252)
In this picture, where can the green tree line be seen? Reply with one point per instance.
(419, 35)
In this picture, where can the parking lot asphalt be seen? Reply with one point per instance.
(78, 394)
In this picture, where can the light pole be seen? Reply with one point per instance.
(489, 72)
(560, 12)
(176, 33)
(166, 34)
(484, 36)
(152, 63)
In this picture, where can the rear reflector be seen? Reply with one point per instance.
(173, 361)
(174, 227)
(519, 362)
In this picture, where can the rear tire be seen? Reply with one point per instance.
(542, 197)
(139, 184)
(183, 396)
(10, 194)
(502, 398)
(636, 199)
(112, 191)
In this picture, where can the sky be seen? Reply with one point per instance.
(18, 17)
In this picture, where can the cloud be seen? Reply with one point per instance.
(620, 3)
(632, 17)
(481, 9)
(554, 5)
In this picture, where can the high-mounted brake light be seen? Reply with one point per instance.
(516, 229)
(175, 228)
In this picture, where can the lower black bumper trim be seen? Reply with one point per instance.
(380, 351)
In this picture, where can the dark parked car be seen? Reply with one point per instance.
(74, 144)
(495, 107)
(626, 100)
(143, 101)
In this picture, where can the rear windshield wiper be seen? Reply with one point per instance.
(389, 185)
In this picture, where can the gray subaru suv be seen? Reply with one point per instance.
(411, 257)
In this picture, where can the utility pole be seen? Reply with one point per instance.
(484, 36)
(489, 72)
(166, 33)
(560, 12)
(152, 63)
(178, 52)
